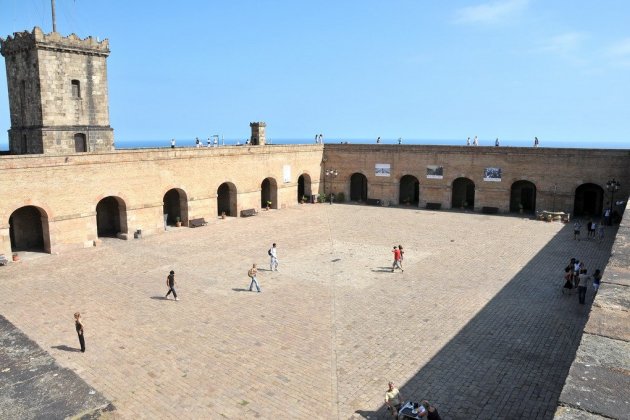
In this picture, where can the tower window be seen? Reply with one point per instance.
(76, 89)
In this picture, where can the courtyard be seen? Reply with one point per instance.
(476, 324)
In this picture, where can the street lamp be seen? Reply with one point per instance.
(612, 186)
(332, 173)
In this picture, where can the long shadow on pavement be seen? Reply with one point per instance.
(511, 360)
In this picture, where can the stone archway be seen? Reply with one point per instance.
(358, 187)
(269, 192)
(409, 190)
(589, 200)
(175, 207)
(28, 230)
(463, 193)
(111, 217)
(304, 187)
(226, 199)
(523, 197)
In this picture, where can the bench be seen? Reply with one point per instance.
(193, 223)
(434, 206)
(248, 212)
(3, 260)
(489, 210)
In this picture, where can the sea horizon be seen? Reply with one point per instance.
(161, 143)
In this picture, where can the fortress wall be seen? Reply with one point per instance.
(68, 188)
(556, 173)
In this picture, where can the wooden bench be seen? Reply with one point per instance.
(248, 212)
(489, 210)
(434, 206)
(193, 223)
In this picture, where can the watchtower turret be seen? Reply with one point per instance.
(58, 96)
(258, 133)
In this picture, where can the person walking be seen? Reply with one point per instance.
(252, 275)
(475, 142)
(468, 141)
(536, 142)
(600, 231)
(273, 253)
(576, 229)
(172, 143)
(209, 142)
(378, 140)
(396, 263)
(583, 281)
(496, 142)
(78, 325)
(402, 255)
(170, 283)
(197, 142)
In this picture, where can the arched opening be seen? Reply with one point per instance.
(226, 199)
(175, 207)
(269, 193)
(111, 217)
(358, 187)
(28, 230)
(463, 194)
(409, 192)
(304, 187)
(589, 200)
(523, 197)
(80, 143)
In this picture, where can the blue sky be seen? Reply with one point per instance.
(417, 69)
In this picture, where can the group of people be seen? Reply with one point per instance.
(394, 403)
(475, 142)
(398, 258)
(576, 276)
(594, 230)
(199, 143)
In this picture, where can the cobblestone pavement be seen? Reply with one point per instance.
(477, 323)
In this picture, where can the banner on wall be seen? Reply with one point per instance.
(286, 173)
(435, 172)
(382, 169)
(492, 174)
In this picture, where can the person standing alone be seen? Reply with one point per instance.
(79, 327)
(170, 283)
(273, 253)
(252, 275)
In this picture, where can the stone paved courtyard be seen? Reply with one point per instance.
(477, 322)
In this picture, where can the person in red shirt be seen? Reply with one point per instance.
(396, 264)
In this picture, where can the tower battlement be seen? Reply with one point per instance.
(25, 40)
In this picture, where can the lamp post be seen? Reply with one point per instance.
(612, 186)
(332, 173)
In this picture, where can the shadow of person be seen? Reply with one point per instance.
(159, 298)
(66, 348)
(382, 270)
(238, 289)
(381, 414)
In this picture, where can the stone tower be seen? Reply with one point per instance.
(258, 133)
(58, 96)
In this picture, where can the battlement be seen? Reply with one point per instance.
(37, 39)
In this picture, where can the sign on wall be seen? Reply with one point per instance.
(286, 173)
(435, 172)
(492, 174)
(382, 169)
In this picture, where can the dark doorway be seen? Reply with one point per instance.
(111, 217)
(175, 207)
(589, 200)
(80, 144)
(28, 230)
(226, 199)
(304, 188)
(523, 197)
(269, 193)
(463, 194)
(409, 190)
(358, 187)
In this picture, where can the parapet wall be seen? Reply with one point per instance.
(23, 41)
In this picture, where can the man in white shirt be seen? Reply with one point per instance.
(273, 253)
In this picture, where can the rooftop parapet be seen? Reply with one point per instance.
(23, 41)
